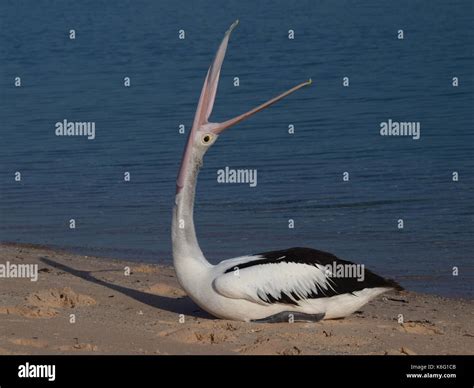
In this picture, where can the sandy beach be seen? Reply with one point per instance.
(89, 305)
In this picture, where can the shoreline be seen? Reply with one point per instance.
(91, 305)
(132, 256)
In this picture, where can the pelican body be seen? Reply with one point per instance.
(282, 285)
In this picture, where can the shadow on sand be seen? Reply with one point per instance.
(174, 305)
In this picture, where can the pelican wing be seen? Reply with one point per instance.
(291, 276)
(282, 282)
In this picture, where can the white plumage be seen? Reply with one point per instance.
(258, 282)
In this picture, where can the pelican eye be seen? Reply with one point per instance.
(206, 139)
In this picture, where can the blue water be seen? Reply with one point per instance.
(299, 176)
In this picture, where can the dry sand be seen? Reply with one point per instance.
(143, 314)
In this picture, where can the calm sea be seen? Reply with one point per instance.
(299, 176)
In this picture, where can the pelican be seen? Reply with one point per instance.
(293, 284)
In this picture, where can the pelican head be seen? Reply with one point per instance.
(203, 133)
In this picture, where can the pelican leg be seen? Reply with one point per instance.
(290, 316)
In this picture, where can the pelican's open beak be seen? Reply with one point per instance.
(206, 103)
(208, 93)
